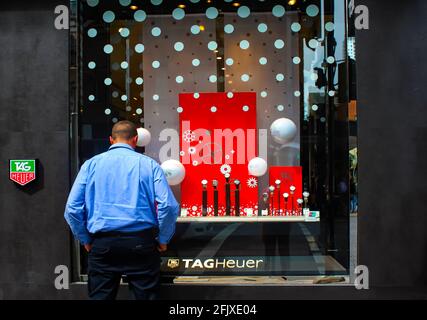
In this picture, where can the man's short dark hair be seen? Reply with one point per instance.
(124, 130)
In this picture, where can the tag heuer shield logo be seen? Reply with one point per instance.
(22, 171)
(173, 263)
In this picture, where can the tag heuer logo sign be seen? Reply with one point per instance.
(22, 171)
(173, 263)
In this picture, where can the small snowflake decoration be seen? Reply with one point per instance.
(225, 168)
(252, 182)
(189, 136)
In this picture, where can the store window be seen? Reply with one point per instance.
(250, 108)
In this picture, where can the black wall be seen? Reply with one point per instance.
(33, 124)
(393, 148)
(393, 142)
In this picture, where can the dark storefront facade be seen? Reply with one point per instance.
(62, 90)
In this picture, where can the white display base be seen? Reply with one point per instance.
(245, 219)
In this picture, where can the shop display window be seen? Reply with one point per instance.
(249, 106)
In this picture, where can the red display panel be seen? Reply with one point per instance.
(218, 135)
(288, 176)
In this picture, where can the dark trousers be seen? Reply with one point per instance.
(135, 256)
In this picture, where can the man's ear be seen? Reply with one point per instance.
(135, 140)
(111, 140)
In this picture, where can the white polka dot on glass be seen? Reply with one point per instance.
(179, 79)
(278, 11)
(108, 16)
(229, 28)
(262, 27)
(139, 81)
(178, 46)
(244, 44)
(279, 44)
(245, 77)
(139, 15)
(312, 10)
(329, 26)
(139, 48)
(92, 3)
(280, 77)
(156, 31)
(124, 32)
(330, 60)
(178, 14)
(296, 27)
(212, 45)
(195, 29)
(212, 13)
(243, 12)
(296, 60)
(108, 48)
(313, 43)
(92, 33)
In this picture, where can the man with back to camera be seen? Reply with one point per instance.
(124, 213)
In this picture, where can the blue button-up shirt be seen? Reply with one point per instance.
(121, 190)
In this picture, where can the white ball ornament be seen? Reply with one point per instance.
(174, 171)
(283, 130)
(144, 137)
(257, 167)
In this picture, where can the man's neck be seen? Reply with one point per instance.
(123, 142)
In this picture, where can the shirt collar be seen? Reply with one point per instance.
(120, 145)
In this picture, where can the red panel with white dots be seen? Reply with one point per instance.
(218, 135)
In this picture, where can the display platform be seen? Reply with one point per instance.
(247, 219)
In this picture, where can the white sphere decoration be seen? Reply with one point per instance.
(144, 137)
(283, 130)
(174, 171)
(257, 167)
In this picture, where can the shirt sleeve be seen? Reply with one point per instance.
(75, 211)
(167, 206)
